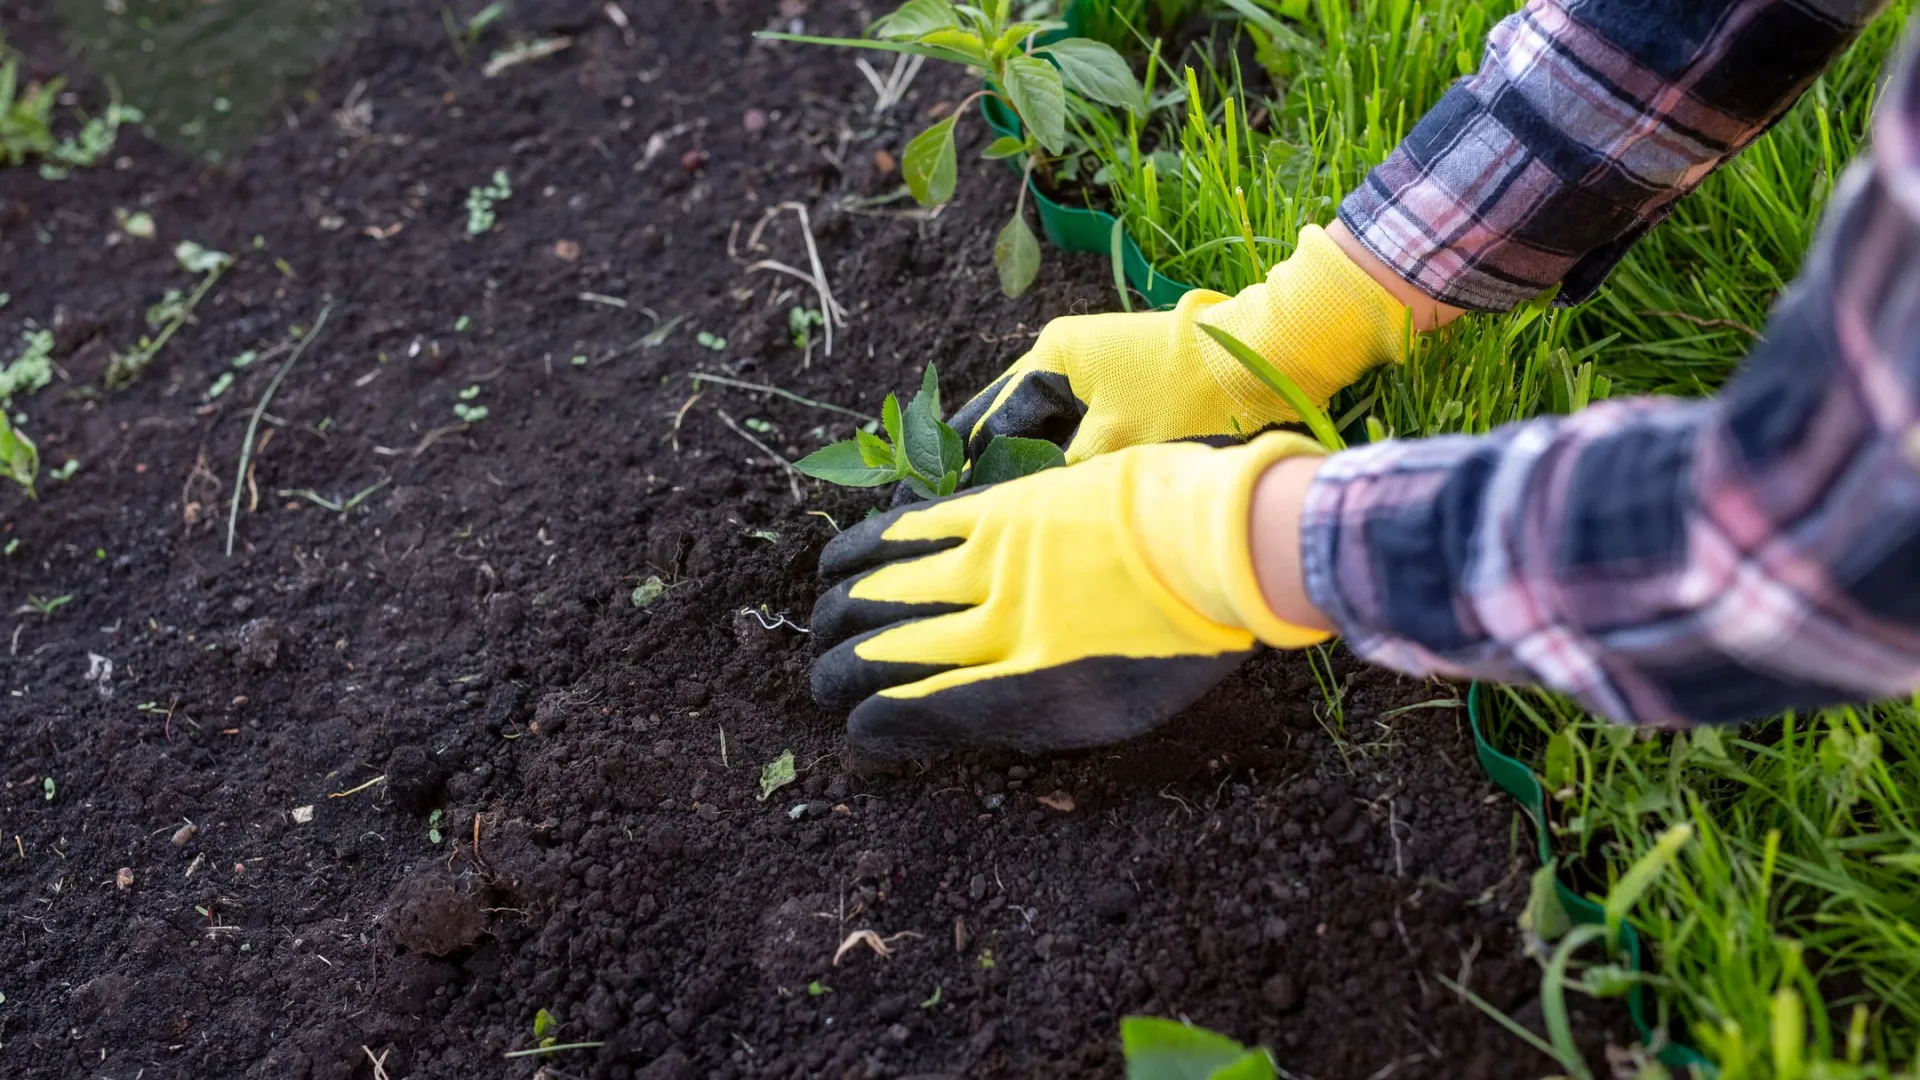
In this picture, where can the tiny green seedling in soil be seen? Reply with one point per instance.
(816, 988)
(648, 592)
(1042, 84)
(170, 314)
(481, 200)
(466, 410)
(464, 39)
(922, 450)
(776, 774)
(544, 1026)
(710, 340)
(47, 788)
(801, 322)
(433, 827)
(1158, 1049)
(44, 605)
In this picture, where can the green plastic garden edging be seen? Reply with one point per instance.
(1518, 781)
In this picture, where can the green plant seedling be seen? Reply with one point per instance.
(816, 988)
(433, 826)
(1042, 84)
(26, 125)
(19, 458)
(29, 371)
(470, 414)
(66, 470)
(801, 322)
(923, 451)
(648, 593)
(47, 788)
(481, 200)
(170, 314)
(464, 39)
(544, 1026)
(1158, 1049)
(44, 605)
(776, 774)
(710, 340)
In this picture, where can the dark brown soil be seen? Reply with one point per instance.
(466, 633)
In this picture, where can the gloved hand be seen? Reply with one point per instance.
(1069, 608)
(1098, 383)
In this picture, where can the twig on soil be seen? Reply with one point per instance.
(778, 621)
(681, 414)
(699, 377)
(890, 90)
(831, 312)
(379, 1063)
(430, 438)
(253, 424)
(793, 474)
(554, 1049)
(357, 790)
(871, 940)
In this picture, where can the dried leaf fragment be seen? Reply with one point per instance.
(862, 937)
(1059, 800)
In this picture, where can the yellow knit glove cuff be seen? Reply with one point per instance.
(1192, 513)
(1318, 317)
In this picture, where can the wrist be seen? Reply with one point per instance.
(1273, 525)
(1428, 313)
(1192, 510)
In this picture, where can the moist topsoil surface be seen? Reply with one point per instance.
(366, 796)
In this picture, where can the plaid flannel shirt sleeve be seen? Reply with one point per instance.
(1587, 121)
(1670, 561)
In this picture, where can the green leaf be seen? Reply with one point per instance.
(1008, 458)
(1256, 1064)
(928, 164)
(1038, 96)
(776, 774)
(949, 483)
(1277, 381)
(963, 43)
(896, 432)
(648, 593)
(843, 463)
(1158, 1049)
(923, 424)
(1013, 35)
(195, 259)
(914, 19)
(19, 458)
(921, 487)
(874, 450)
(1005, 146)
(1016, 254)
(543, 1024)
(1094, 70)
(1559, 768)
(953, 451)
(1546, 917)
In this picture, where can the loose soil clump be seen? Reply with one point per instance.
(464, 639)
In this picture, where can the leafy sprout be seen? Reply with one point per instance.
(922, 451)
(1043, 84)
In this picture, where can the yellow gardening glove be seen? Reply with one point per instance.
(1096, 383)
(1069, 608)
